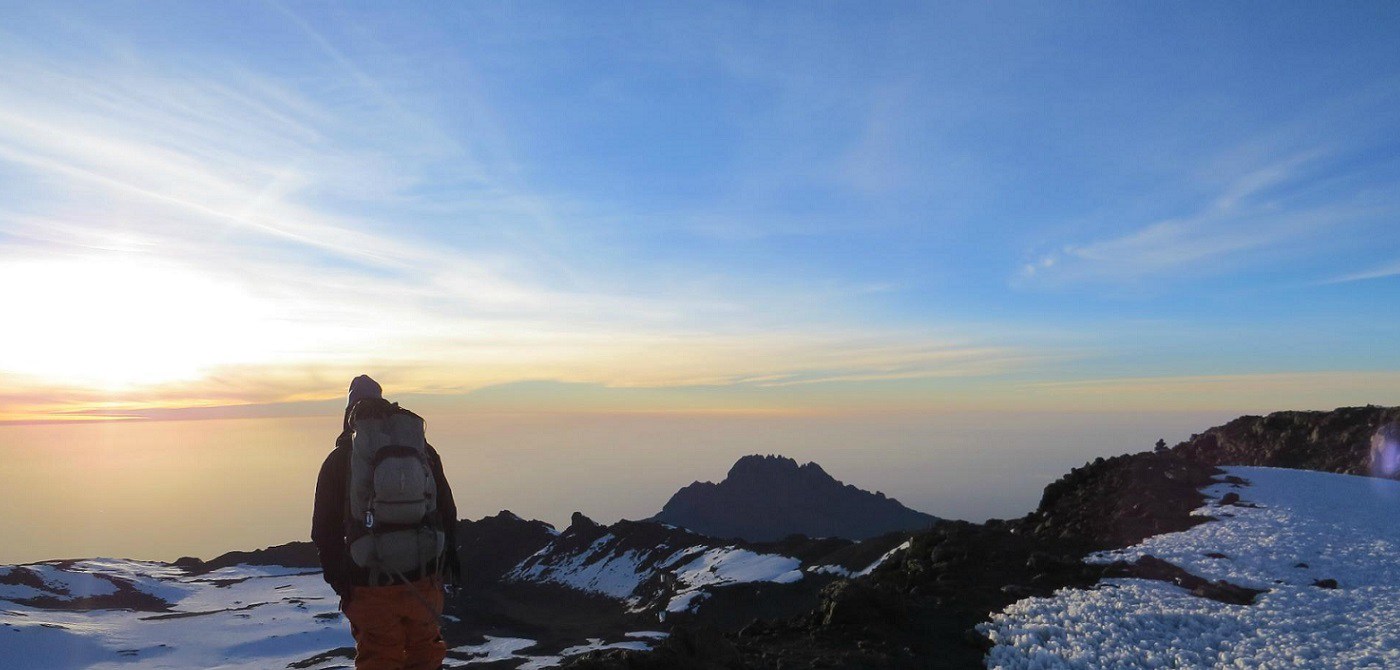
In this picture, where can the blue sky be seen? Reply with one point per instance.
(786, 204)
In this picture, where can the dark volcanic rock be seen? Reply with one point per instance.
(57, 596)
(767, 498)
(291, 554)
(920, 609)
(490, 547)
(1151, 567)
(1120, 501)
(1336, 441)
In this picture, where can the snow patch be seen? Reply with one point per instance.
(497, 649)
(708, 568)
(1307, 526)
(847, 573)
(265, 617)
(492, 650)
(593, 569)
(686, 602)
(648, 634)
(691, 570)
(730, 565)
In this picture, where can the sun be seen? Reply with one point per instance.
(116, 323)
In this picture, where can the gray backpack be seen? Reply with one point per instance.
(392, 520)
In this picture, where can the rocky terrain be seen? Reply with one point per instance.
(634, 574)
(767, 498)
(649, 594)
(921, 609)
(1335, 441)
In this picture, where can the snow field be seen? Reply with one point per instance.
(594, 569)
(497, 649)
(599, 569)
(239, 618)
(1308, 526)
(722, 566)
(851, 574)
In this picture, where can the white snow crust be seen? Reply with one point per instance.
(648, 634)
(1308, 526)
(595, 569)
(851, 574)
(497, 649)
(600, 568)
(492, 650)
(238, 618)
(708, 568)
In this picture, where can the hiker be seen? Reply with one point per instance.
(383, 526)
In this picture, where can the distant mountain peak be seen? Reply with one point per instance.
(768, 497)
(773, 466)
(580, 523)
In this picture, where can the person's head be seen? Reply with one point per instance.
(361, 387)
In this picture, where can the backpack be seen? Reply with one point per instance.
(392, 524)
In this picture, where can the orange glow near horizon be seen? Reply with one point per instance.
(119, 336)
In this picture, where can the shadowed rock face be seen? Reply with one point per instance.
(767, 498)
(492, 546)
(1342, 440)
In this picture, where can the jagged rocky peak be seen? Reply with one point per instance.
(580, 523)
(506, 517)
(767, 498)
(766, 467)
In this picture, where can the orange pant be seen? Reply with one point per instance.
(394, 628)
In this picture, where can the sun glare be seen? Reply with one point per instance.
(114, 324)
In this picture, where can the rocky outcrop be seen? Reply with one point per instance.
(1119, 501)
(1336, 441)
(291, 555)
(490, 547)
(767, 498)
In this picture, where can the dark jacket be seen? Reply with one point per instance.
(328, 517)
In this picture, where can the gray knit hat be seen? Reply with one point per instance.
(363, 387)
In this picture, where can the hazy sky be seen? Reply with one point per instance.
(699, 206)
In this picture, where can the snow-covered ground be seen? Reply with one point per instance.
(1307, 527)
(242, 617)
(509, 648)
(237, 618)
(691, 572)
(698, 568)
(851, 574)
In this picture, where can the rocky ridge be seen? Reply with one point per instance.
(1336, 441)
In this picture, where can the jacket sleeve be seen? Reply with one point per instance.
(447, 507)
(328, 517)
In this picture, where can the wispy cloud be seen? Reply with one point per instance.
(1252, 217)
(249, 247)
(1382, 272)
